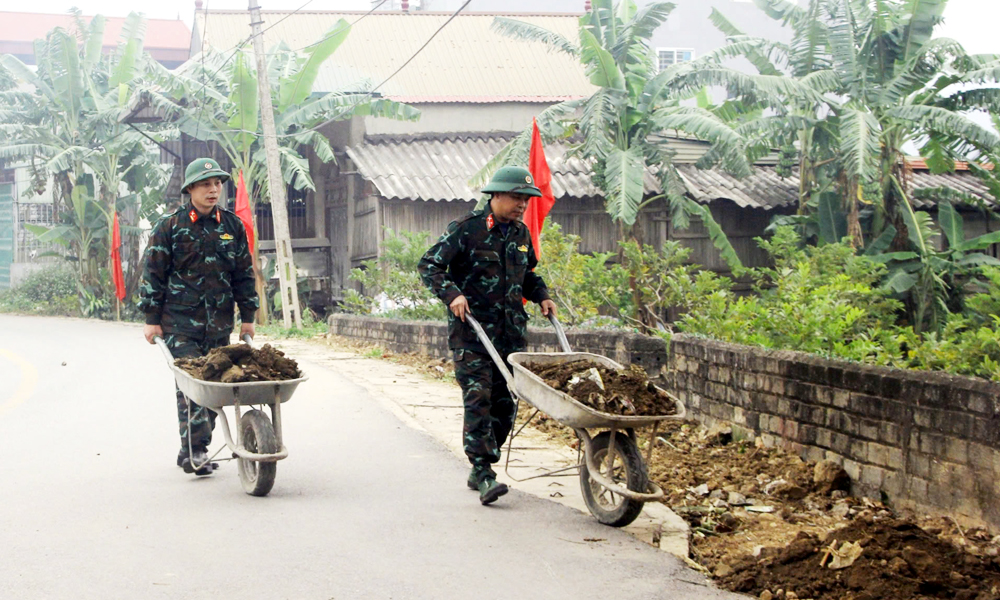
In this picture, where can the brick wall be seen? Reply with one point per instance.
(929, 441)
(431, 338)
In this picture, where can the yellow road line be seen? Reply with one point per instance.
(29, 379)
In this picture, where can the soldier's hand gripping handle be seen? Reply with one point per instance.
(459, 306)
(151, 332)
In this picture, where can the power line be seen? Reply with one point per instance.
(307, 3)
(204, 84)
(368, 93)
(396, 72)
(419, 50)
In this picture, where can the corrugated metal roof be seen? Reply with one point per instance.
(438, 168)
(766, 189)
(961, 181)
(466, 62)
(762, 189)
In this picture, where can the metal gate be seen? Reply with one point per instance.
(6, 233)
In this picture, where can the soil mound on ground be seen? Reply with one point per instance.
(867, 560)
(239, 363)
(627, 392)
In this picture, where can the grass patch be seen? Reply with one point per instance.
(311, 327)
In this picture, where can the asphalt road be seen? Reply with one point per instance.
(93, 506)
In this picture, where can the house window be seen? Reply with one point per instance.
(671, 56)
(300, 225)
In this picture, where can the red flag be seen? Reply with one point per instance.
(116, 260)
(538, 208)
(243, 209)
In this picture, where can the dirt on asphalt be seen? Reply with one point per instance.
(619, 392)
(239, 363)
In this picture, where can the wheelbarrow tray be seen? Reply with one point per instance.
(211, 394)
(566, 409)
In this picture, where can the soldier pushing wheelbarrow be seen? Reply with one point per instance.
(484, 264)
(198, 266)
(481, 268)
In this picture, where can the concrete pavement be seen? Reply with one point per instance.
(366, 505)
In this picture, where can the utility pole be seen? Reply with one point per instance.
(279, 203)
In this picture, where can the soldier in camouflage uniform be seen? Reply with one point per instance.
(198, 266)
(483, 265)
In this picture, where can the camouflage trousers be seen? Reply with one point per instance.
(489, 409)
(202, 419)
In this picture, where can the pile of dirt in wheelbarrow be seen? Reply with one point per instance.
(867, 560)
(627, 392)
(239, 363)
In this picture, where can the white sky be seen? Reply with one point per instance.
(971, 22)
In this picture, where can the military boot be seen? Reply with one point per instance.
(182, 458)
(478, 473)
(198, 457)
(490, 490)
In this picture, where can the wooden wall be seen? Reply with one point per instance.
(587, 218)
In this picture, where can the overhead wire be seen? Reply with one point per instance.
(366, 93)
(386, 80)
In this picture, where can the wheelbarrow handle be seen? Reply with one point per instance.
(163, 348)
(246, 338)
(492, 351)
(563, 342)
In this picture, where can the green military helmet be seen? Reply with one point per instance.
(200, 169)
(514, 180)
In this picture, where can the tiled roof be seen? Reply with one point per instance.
(438, 168)
(27, 27)
(164, 38)
(465, 62)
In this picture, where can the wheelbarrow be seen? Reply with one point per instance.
(614, 478)
(258, 446)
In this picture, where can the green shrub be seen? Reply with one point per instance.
(51, 290)
(582, 286)
(391, 284)
(825, 300)
(985, 300)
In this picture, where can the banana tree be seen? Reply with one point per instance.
(67, 129)
(928, 277)
(892, 85)
(625, 122)
(214, 97)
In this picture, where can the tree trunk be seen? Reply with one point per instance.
(853, 221)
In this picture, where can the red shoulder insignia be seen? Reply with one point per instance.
(218, 215)
(193, 215)
(489, 221)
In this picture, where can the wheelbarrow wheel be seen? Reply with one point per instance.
(626, 470)
(258, 436)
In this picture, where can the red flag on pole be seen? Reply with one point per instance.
(116, 260)
(243, 209)
(538, 208)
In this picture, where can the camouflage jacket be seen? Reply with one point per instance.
(196, 269)
(493, 271)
